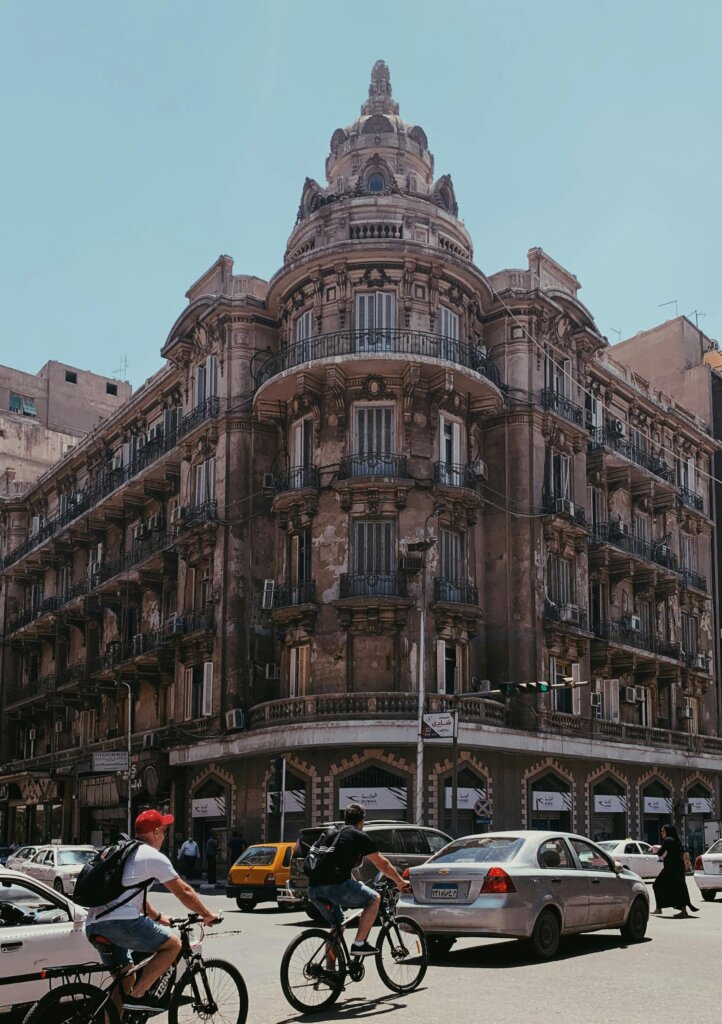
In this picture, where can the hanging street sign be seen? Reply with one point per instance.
(439, 726)
(109, 761)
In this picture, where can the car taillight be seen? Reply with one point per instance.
(497, 881)
(698, 864)
(405, 874)
(270, 878)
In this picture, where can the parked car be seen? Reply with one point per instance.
(530, 885)
(59, 866)
(16, 860)
(634, 854)
(405, 846)
(258, 874)
(5, 852)
(708, 871)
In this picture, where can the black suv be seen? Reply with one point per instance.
(405, 846)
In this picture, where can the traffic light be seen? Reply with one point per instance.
(275, 788)
(540, 687)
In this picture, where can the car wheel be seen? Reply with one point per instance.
(247, 905)
(635, 927)
(58, 886)
(439, 945)
(546, 935)
(708, 895)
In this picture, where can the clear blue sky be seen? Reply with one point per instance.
(143, 139)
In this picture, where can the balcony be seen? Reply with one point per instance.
(564, 508)
(203, 411)
(691, 499)
(451, 474)
(46, 606)
(696, 661)
(382, 464)
(140, 552)
(621, 632)
(619, 536)
(372, 584)
(566, 615)
(455, 591)
(690, 578)
(199, 515)
(296, 479)
(562, 406)
(152, 644)
(42, 690)
(293, 594)
(603, 438)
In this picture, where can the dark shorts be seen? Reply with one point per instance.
(137, 934)
(331, 898)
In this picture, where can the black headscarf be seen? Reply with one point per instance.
(672, 834)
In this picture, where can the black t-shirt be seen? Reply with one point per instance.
(352, 846)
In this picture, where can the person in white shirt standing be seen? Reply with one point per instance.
(133, 925)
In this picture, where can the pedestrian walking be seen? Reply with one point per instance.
(670, 885)
(236, 846)
(189, 854)
(211, 852)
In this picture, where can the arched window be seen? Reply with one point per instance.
(657, 810)
(376, 183)
(473, 809)
(382, 793)
(609, 810)
(550, 802)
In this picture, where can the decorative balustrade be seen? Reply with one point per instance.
(690, 578)
(287, 594)
(622, 632)
(567, 614)
(372, 584)
(455, 591)
(374, 464)
(335, 706)
(296, 479)
(451, 474)
(32, 689)
(603, 437)
(381, 231)
(140, 552)
(197, 515)
(615, 534)
(567, 509)
(416, 344)
(203, 411)
(562, 405)
(691, 499)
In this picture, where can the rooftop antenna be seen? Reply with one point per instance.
(672, 302)
(122, 370)
(697, 313)
(617, 331)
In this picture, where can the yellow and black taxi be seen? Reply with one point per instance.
(259, 873)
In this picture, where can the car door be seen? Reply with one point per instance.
(608, 892)
(415, 848)
(649, 863)
(563, 881)
(46, 867)
(33, 866)
(388, 843)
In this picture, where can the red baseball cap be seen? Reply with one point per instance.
(149, 820)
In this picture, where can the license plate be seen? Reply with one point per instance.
(444, 892)
(246, 895)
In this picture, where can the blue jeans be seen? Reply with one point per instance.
(329, 899)
(135, 934)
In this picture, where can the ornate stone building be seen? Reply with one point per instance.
(381, 437)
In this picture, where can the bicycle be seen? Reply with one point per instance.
(316, 964)
(207, 989)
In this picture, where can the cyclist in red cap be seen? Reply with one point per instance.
(133, 925)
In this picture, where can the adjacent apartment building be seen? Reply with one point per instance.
(381, 437)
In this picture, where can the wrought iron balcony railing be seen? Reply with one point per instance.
(287, 594)
(603, 437)
(203, 411)
(453, 474)
(372, 584)
(196, 515)
(622, 632)
(621, 537)
(374, 464)
(567, 509)
(419, 344)
(562, 405)
(690, 578)
(455, 591)
(139, 552)
(697, 661)
(568, 614)
(691, 499)
(296, 479)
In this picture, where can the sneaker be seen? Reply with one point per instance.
(363, 949)
(142, 1004)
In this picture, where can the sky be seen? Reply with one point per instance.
(143, 139)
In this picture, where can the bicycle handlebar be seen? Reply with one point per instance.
(187, 922)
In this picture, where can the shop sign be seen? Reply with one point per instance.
(657, 805)
(699, 805)
(440, 726)
(381, 798)
(109, 761)
(210, 807)
(466, 798)
(610, 804)
(294, 801)
(542, 801)
(38, 791)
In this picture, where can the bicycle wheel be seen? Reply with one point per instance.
(73, 1004)
(313, 969)
(213, 991)
(403, 957)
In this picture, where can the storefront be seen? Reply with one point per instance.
(294, 808)
(609, 810)
(34, 811)
(209, 812)
(473, 809)
(657, 810)
(550, 803)
(381, 794)
(102, 814)
(699, 808)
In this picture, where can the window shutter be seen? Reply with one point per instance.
(691, 475)
(188, 695)
(200, 388)
(211, 479)
(448, 323)
(304, 326)
(565, 477)
(207, 704)
(441, 666)
(211, 377)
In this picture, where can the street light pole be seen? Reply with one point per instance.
(424, 547)
(121, 682)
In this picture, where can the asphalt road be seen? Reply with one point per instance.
(674, 974)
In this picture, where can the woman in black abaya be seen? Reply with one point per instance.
(670, 886)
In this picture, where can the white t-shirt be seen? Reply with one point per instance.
(142, 865)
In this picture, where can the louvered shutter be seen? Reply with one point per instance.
(207, 697)
(188, 703)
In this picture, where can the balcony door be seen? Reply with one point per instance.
(301, 453)
(374, 556)
(374, 441)
(558, 375)
(451, 566)
(449, 331)
(375, 320)
(304, 333)
(451, 469)
(205, 380)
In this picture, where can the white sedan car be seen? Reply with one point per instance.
(708, 871)
(16, 861)
(635, 855)
(39, 927)
(59, 866)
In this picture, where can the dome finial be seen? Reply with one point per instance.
(380, 100)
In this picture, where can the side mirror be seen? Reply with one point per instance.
(618, 868)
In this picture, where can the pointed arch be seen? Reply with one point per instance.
(548, 764)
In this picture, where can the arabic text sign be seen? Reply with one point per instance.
(609, 804)
(210, 807)
(381, 798)
(657, 805)
(109, 761)
(466, 797)
(542, 801)
(439, 726)
(699, 805)
(294, 801)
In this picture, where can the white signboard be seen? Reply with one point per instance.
(466, 798)
(657, 805)
(109, 761)
(211, 807)
(542, 801)
(382, 798)
(699, 805)
(294, 801)
(439, 726)
(610, 804)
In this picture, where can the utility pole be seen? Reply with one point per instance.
(121, 682)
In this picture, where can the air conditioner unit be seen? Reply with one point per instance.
(31, 735)
(619, 529)
(235, 719)
(138, 532)
(138, 641)
(634, 623)
(269, 587)
(155, 433)
(478, 468)
(618, 427)
(663, 550)
(564, 507)
(117, 462)
(480, 685)
(59, 725)
(175, 624)
(268, 481)
(150, 741)
(596, 700)
(628, 695)
(570, 613)
(686, 712)
(155, 522)
(410, 563)
(640, 694)
(177, 514)
(272, 670)
(699, 661)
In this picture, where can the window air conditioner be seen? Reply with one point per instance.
(155, 433)
(635, 623)
(272, 670)
(480, 685)
(570, 613)
(699, 660)
(410, 563)
(155, 522)
(564, 507)
(138, 643)
(640, 694)
(619, 529)
(138, 532)
(269, 587)
(596, 700)
(478, 468)
(59, 725)
(268, 481)
(686, 712)
(628, 695)
(150, 741)
(235, 719)
(663, 550)
(175, 624)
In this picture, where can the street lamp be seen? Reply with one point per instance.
(121, 682)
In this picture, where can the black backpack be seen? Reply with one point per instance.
(318, 863)
(101, 880)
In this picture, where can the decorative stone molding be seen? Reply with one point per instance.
(366, 758)
(540, 768)
(212, 771)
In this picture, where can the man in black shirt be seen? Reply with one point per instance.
(332, 886)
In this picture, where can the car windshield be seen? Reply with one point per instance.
(67, 857)
(479, 850)
(609, 845)
(258, 855)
